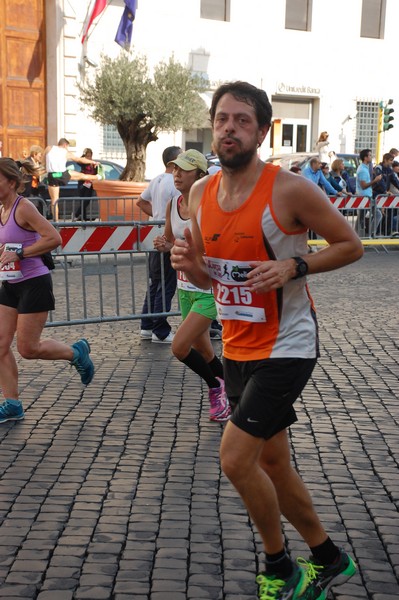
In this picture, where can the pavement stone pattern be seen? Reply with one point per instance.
(114, 491)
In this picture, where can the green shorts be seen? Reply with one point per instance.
(199, 302)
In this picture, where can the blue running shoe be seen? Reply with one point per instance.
(322, 577)
(11, 410)
(82, 361)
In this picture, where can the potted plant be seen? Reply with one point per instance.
(124, 94)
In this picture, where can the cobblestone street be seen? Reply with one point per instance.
(114, 491)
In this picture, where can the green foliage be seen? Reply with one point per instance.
(119, 90)
(123, 93)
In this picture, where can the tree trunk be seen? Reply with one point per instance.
(135, 163)
(136, 138)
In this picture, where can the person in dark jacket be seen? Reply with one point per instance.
(389, 178)
(85, 188)
(384, 168)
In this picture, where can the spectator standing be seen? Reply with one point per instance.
(268, 354)
(313, 172)
(85, 188)
(26, 300)
(394, 189)
(364, 187)
(191, 343)
(384, 168)
(340, 175)
(56, 158)
(322, 147)
(35, 158)
(153, 202)
(394, 178)
(33, 169)
(325, 169)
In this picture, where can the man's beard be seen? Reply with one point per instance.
(238, 161)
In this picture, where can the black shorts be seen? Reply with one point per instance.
(30, 296)
(262, 392)
(58, 179)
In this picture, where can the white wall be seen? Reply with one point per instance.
(253, 46)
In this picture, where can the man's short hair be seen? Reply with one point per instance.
(364, 153)
(63, 142)
(170, 153)
(314, 160)
(245, 92)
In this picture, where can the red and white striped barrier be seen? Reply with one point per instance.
(108, 238)
(391, 201)
(383, 201)
(350, 201)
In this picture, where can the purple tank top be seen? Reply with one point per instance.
(11, 232)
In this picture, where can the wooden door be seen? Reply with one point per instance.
(22, 76)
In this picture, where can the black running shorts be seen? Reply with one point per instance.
(30, 296)
(57, 179)
(262, 392)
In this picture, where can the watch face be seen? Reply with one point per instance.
(302, 268)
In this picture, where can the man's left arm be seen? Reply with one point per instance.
(307, 206)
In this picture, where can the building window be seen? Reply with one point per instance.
(219, 10)
(373, 19)
(298, 14)
(366, 126)
(113, 146)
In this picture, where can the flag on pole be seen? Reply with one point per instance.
(99, 6)
(124, 34)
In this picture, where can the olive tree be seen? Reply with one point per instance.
(140, 105)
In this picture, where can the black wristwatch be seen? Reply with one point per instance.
(20, 253)
(302, 267)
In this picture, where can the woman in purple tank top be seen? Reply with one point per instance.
(26, 291)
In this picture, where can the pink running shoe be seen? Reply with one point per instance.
(219, 405)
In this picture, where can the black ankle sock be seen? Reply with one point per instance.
(216, 367)
(196, 362)
(279, 564)
(325, 553)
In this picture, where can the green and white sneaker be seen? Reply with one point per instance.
(100, 171)
(322, 577)
(273, 588)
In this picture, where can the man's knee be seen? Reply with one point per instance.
(275, 466)
(235, 465)
(230, 465)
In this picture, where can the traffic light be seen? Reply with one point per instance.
(387, 124)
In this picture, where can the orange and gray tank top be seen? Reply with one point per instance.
(279, 324)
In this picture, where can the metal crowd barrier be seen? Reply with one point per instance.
(102, 272)
(376, 221)
(95, 257)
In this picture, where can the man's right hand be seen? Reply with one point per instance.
(183, 253)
